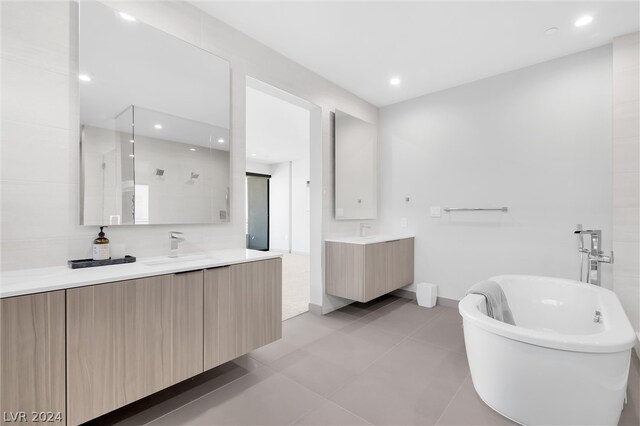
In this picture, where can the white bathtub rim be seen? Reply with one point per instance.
(617, 338)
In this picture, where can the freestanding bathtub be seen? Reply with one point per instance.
(563, 363)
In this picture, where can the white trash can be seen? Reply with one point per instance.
(427, 294)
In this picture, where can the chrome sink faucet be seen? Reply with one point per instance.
(595, 255)
(175, 243)
(364, 226)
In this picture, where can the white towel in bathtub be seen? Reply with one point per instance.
(497, 306)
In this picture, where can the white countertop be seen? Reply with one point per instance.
(29, 281)
(369, 239)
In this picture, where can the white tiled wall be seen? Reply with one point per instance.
(626, 179)
(537, 140)
(40, 202)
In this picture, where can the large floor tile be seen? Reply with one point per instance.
(403, 317)
(262, 397)
(175, 397)
(411, 384)
(354, 347)
(273, 351)
(466, 408)
(306, 328)
(330, 414)
(445, 330)
(316, 373)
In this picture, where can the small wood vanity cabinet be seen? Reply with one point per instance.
(363, 272)
(32, 385)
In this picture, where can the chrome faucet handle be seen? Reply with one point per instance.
(605, 259)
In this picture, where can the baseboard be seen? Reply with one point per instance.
(315, 309)
(447, 303)
(443, 301)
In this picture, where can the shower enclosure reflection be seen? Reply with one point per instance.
(154, 168)
(154, 118)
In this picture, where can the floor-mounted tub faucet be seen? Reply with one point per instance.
(595, 255)
(175, 243)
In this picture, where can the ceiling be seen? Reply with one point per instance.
(277, 130)
(429, 45)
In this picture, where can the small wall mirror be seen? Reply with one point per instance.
(356, 153)
(154, 115)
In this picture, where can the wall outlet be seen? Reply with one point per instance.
(436, 211)
(403, 222)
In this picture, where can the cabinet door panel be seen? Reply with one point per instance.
(129, 339)
(243, 309)
(345, 270)
(186, 325)
(220, 321)
(32, 356)
(402, 264)
(377, 270)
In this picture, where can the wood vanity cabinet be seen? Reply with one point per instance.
(129, 339)
(32, 359)
(242, 309)
(363, 272)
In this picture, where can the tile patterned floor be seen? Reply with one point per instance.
(296, 287)
(388, 362)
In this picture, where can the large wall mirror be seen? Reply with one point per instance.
(154, 115)
(356, 160)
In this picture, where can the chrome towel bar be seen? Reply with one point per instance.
(475, 209)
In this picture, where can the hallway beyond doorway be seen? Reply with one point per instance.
(295, 285)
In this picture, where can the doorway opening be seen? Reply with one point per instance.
(278, 135)
(257, 211)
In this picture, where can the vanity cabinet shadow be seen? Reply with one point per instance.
(242, 309)
(129, 339)
(32, 358)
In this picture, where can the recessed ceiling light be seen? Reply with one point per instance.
(131, 155)
(158, 126)
(551, 31)
(192, 149)
(581, 22)
(127, 17)
(394, 81)
(84, 77)
(131, 140)
(253, 155)
(220, 140)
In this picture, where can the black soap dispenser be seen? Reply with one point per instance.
(101, 249)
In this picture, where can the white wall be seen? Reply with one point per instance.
(300, 206)
(279, 207)
(40, 134)
(289, 207)
(260, 168)
(626, 177)
(537, 140)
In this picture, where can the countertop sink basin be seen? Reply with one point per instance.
(180, 259)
